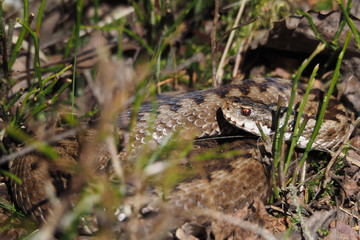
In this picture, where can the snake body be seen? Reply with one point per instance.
(224, 184)
(242, 104)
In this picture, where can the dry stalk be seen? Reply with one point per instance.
(337, 153)
(220, 70)
(213, 42)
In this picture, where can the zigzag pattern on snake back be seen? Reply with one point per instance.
(201, 114)
(241, 103)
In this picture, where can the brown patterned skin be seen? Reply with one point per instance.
(39, 178)
(202, 114)
(43, 178)
(225, 184)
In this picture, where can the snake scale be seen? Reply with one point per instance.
(226, 184)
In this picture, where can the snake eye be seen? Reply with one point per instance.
(246, 112)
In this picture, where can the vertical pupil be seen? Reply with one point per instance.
(246, 112)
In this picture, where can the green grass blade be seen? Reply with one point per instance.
(137, 10)
(1, 9)
(350, 23)
(57, 74)
(37, 50)
(39, 16)
(262, 134)
(313, 27)
(69, 45)
(165, 39)
(180, 19)
(326, 101)
(46, 104)
(342, 24)
(142, 42)
(9, 38)
(96, 10)
(11, 175)
(297, 131)
(79, 7)
(305, 63)
(38, 145)
(4, 48)
(25, 101)
(13, 100)
(21, 36)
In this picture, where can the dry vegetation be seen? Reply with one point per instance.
(71, 66)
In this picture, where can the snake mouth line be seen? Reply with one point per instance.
(249, 126)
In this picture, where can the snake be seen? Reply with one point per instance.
(243, 106)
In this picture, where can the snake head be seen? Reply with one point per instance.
(243, 113)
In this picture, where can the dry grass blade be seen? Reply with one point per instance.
(220, 69)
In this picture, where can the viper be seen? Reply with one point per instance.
(225, 184)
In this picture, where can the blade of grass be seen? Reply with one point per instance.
(58, 74)
(213, 43)
(120, 34)
(262, 134)
(325, 103)
(96, 8)
(297, 132)
(79, 7)
(56, 77)
(275, 146)
(47, 90)
(342, 24)
(164, 41)
(13, 100)
(350, 23)
(25, 101)
(70, 44)
(305, 63)
(137, 38)
(10, 207)
(313, 27)
(11, 24)
(3, 48)
(220, 70)
(137, 10)
(38, 145)
(39, 16)
(277, 122)
(37, 50)
(52, 100)
(180, 19)
(21, 36)
(11, 175)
